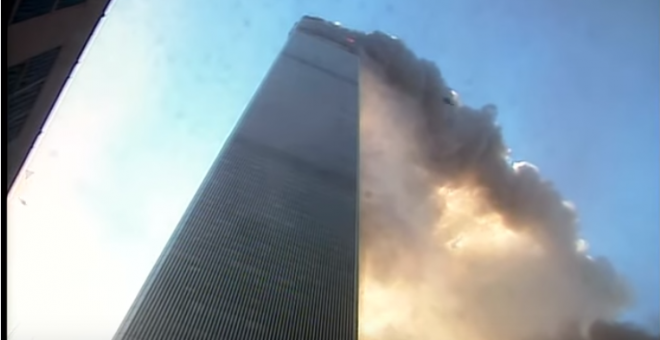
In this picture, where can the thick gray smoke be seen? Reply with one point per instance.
(460, 241)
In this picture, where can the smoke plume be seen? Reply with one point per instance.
(458, 242)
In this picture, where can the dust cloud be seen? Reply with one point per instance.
(457, 241)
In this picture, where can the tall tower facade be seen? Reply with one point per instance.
(268, 247)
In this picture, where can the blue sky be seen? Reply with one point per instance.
(162, 84)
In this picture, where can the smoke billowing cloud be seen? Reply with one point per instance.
(458, 242)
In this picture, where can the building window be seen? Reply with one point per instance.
(68, 3)
(19, 108)
(28, 9)
(25, 82)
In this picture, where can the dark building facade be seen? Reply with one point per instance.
(44, 41)
(268, 247)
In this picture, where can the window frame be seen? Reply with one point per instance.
(55, 6)
(22, 97)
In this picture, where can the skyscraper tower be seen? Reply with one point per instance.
(268, 247)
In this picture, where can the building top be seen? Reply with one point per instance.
(328, 30)
(400, 64)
